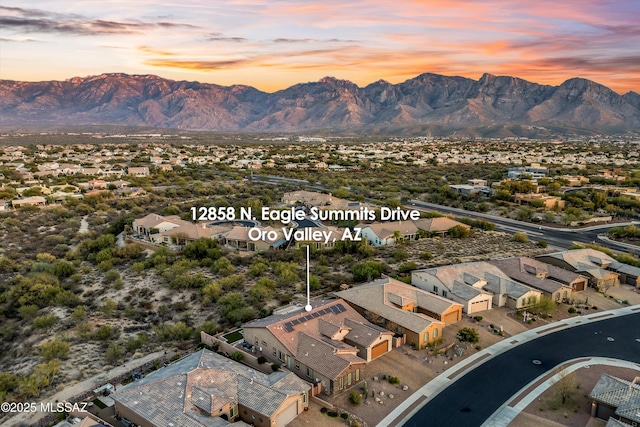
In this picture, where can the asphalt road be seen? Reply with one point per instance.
(475, 396)
(553, 236)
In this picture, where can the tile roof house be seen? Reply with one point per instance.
(238, 238)
(29, 201)
(329, 345)
(206, 389)
(418, 315)
(187, 233)
(449, 282)
(383, 233)
(554, 282)
(153, 224)
(614, 398)
(587, 262)
(438, 225)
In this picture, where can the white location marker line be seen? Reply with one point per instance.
(308, 306)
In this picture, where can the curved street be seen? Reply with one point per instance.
(477, 394)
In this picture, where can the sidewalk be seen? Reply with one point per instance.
(413, 404)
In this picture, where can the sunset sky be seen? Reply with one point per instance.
(273, 44)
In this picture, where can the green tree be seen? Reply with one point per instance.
(469, 335)
(367, 270)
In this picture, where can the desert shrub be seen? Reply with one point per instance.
(469, 335)
(520, 237)
(275, 367)
(394, 380)
(55, 349)
(262, 360)
(237, 356)
(45, 321)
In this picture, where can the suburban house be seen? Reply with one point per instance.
(206, 389)
(473, 186)
(138, 171)
(188, 233)
(238, 238)
(307, 198)
(544, 200)
(554, 282)
(418, 315)
(384, 233)
(504, 291)
(29, 201)
(587, 262)
(328, 346)
(438, 225)
(616, 399)
(153, 224)
(457, 283)
(534, 171)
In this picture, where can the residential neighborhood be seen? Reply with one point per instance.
(170, 284)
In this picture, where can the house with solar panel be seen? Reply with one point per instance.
(206, 389)
(328, 346)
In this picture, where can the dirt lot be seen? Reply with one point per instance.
(548, 409)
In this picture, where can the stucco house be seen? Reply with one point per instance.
(418, 315)
(451, 281)
(153, 225)
(187, 233)
(587, 262)
(29, 201)
(238, 238)
(384, 233)
(328, 346)
(206, 389)
(139, 171)
(554, 282)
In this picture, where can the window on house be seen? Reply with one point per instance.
(444, 293)
(357, 375)
(435, 289)
(281, 356)
(304, 397)
(274, 351)
(297, 365)
(341, 383)
(233, 411)
(426, 337)
(310, 373)
(349, 379)
(435, 333)
(264, 343)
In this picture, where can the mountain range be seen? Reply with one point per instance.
(426, 103)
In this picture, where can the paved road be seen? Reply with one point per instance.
(480, 392)
(562, 238)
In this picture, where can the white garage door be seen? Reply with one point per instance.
(287, 415)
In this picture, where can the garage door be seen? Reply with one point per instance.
(379, 350)
(450, 317)
(287, 415)
(480, 306)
